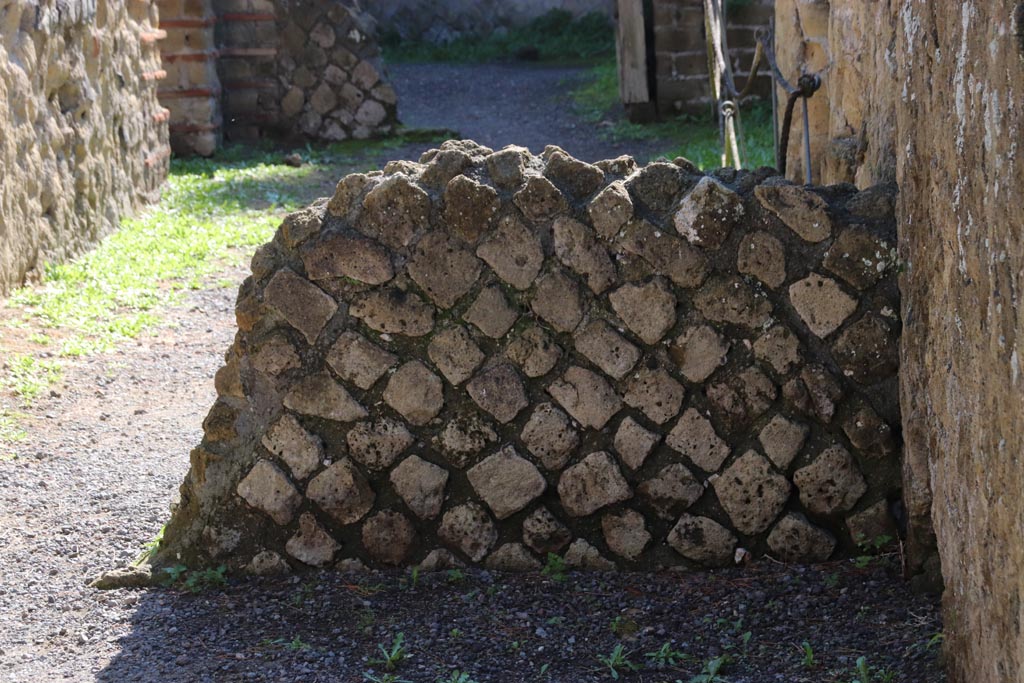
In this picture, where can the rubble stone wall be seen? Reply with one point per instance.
(486, 357)
(83, 140)
(928, 94)
(442, 21)
(301, 68)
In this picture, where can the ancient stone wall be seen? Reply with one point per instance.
(681, 53)
(442, 21)
(960, 126)
(486, 357)
(246, 69)
(307, 68)
(83, 140)
(928, 93)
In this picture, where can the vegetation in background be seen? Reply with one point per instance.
(212, 215)
(693, 137)
(552, 37)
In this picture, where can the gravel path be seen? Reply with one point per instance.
(505, 104)
(106, 452)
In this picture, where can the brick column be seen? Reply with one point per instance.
(191, 91)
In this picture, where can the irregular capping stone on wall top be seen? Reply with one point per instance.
(487, 356)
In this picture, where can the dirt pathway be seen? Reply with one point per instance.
(504, 104)
(106, 452)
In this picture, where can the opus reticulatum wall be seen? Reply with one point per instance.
(486, 357)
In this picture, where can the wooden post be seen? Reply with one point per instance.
(631, 51)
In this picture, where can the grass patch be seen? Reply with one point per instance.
(28, 377)
(555, 36)
(693, 137)
(213, 213)
(10, 432)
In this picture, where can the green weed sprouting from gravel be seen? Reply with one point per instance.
(865, 673)
(10, 432)
(554, 567)
(392, 656)
(711, 671)
(458, 677)
(808, 660)
(666, 656)
(384, 678)
(617, 662)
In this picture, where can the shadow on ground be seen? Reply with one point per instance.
(510, 628)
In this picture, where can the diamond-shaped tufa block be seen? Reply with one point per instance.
(831, 483)
(321, 395)
(455, 354)
(506, 482)
(421, 485)
(593, 483)
(821, 303)
(587, 396)
(752, 493)
(549, 436)
(671, 491)
(655, 393)
(499, 391)
(557, 301)
(268, 489)
(415, 393)
(291, 443)
(695, 437)
(607, 349)
(443, 268)
(513, 252)
(311, 544)
(491, 313)
(342, 492)
(469, 529)
(394, 311)
(703, 540)
(305, 306)
(634, 443)
(648, 310)
(377, 443)
(358, 360)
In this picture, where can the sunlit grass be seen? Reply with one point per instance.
(10, 432)
(696, 138)
(212, 215)
(209, 214)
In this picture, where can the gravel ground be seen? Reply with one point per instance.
(505, 104)
(106, 452)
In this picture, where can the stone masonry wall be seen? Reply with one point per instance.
(485, 357)
(960, 125)
(83, 140)
(681, 54)
(301, 68)
(442, 21)
(930, 94)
